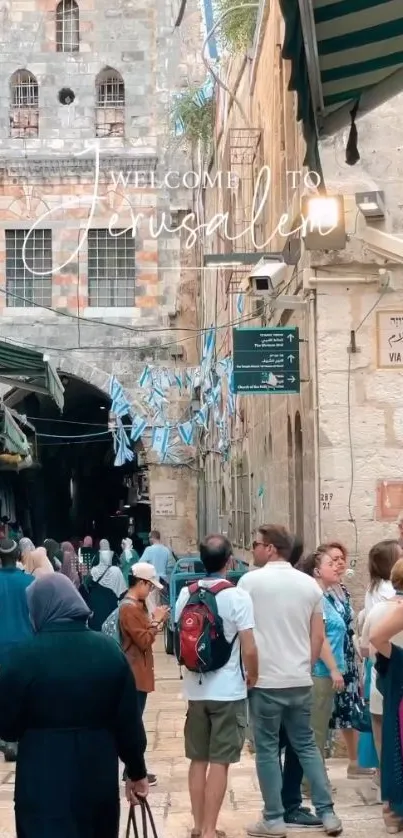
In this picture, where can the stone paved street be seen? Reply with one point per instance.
(169, 799)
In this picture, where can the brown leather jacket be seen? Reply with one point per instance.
(138, 637)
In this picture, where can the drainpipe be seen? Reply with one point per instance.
(314, 379)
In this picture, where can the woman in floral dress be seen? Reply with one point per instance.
(345, 701)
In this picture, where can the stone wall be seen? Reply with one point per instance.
(270, 475)
(51, 181)
(360, 404)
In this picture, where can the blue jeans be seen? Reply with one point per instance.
(292, 709)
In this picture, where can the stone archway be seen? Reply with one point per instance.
(78, 490)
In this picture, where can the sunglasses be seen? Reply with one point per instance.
(258, 544)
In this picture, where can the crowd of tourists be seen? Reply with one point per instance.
(282, 650)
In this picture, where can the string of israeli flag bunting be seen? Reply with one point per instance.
(217, 400)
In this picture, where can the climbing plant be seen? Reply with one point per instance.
(192, 116)
(237, 28)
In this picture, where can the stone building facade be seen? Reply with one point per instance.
(326, 462)
(85, 144)
(269, 472)
(359, 393)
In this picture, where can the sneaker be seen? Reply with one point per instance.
(268, 829)
(302, 819)
(331, 823)
(152, 780)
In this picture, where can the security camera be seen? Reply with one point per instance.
(266, 276)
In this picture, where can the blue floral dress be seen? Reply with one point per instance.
(345, 701)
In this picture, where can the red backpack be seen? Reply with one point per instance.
(201, 645)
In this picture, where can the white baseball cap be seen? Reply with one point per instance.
(145, 571)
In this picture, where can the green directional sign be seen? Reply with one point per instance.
(266, 360)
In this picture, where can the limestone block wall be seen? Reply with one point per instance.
(361, 422)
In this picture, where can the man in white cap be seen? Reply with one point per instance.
(139, 629)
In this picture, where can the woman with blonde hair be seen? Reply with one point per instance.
(37, 563)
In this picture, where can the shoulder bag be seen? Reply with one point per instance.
(146, 821)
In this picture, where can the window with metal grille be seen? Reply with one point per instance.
(24, 108)
(67, 26)
(110, 98)
(28, 280)
(111, 268)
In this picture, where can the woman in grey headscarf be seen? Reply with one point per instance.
(104, 587)
(67, 696)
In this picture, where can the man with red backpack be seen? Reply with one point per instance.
(216, 648)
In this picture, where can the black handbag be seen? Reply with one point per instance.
(146, 818)
(361, 717)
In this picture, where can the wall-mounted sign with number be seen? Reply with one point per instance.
(326, 499)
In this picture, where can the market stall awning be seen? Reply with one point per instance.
(12, 438)
(347, 56)
(30, 370)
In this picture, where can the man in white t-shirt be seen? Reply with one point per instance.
(289, 635)
(216, 718)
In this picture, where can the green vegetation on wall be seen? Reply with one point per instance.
(237, 29)
(193, 117)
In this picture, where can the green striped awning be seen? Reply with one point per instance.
(30, 370)
(344, 53)
(12, 437)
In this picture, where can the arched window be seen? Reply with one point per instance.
(24, 107)
(67, 26)
(110, 111)
(299, 476)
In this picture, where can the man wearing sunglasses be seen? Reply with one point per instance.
(289, 635)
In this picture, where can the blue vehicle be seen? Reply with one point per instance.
(187, 570)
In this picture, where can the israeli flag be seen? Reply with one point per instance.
(145, 377)
(160, 440)
(185, 431)
(120, 405)
(240, 304)
(202, 416)
(124, 453)
(139, 425)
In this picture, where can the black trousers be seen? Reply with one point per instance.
(292, 775)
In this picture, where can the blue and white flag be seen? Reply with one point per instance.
(202, 416)
(160, 440)
(185, 431)
(139, 425)
(124, 453)
(240, 304)
(208, 345)
(120, 406)
(231, 403)
(145, 377)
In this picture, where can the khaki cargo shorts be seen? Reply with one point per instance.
(215, 731)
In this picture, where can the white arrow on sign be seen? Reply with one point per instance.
(290, 337)
(290, 357)
(292, 379)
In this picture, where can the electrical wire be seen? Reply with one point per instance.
(352, 518)
(134, 348)
(209, 67)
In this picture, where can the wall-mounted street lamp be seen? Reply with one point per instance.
(371, 204)
(324, 221)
